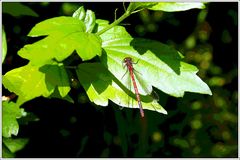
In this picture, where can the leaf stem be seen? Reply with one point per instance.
(120, 19)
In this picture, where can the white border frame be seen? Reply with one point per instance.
(122, 1)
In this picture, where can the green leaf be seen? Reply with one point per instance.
(159, 65)
(60, 25)
(90, 20)
(140, 5)
(164, 6)
(65, 34)
(10, 113)
(30, 81)
(27, 82)
(56, 94)
(4, 45)
(15, 145)
(87, 17)
(90, 46)
(100, 86)
(175, 6)
(80, 13)
(6, 152)
(57, 76)
(101, 24)
(17, 9)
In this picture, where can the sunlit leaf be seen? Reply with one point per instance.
(176, 6)
(140, 5)
(65, 34)
(101, 86)
(90, 20)
(10, 113)
(62, 25)
(30, 81)
(164, 6)
(87, 17)
(80, 13)
(15, 145)
(27, 82)
(158, 64)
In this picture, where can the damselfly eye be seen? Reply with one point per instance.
(127, 59)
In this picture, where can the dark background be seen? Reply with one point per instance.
(196, 125)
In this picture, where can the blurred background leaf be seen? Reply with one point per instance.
(4, 45)
(17, 9)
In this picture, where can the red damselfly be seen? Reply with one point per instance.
(129, 63)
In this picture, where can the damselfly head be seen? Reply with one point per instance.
(127, 59)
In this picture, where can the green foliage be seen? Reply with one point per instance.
(87, 17)
(4, 45)
(159, 65)
(164, 6)
(15, 145)
(57, 75)
(17, 9)
(56, 94)
(140, 5)
(10, 146)
(28, 82)
(100, 86)
(11, 112)
(175, 6)
(6, 153)
(80, 13)
(48, 72)
(65, 34)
